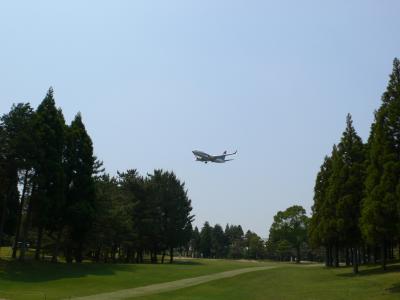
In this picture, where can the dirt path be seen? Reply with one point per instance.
(169, 286)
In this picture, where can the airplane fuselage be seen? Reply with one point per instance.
(205, 157)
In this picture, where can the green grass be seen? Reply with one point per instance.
(296, 282)
(33, 280)
(5, 252)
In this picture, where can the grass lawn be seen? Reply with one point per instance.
(296, 282)
(33, 280)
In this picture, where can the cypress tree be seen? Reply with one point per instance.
(380, 209)
(48, 191)
(329, 213)
(316, 228)
(80, 189)
(349, 184)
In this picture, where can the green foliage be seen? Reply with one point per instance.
(79, 210)
(357, 191)
(320, 210)
(380, 212)
(289, 230)
(206, 240)
(49, 180)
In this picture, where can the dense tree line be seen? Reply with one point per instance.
(231, 242)
(56, 200)
(356, 211)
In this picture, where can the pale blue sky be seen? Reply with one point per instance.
(156, 79)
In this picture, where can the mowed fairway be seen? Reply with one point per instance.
(58, 281)
(280, 281)
(296, 282)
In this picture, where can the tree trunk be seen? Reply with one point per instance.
(171, 255)
(155, 257)
(19, 216)
(25, 229)
(399, 249)
(163, 256)
(97, 254)
(3, 218)
(336, 256)
(347, 257)
(78, 253)
(298, 258)
(39, 242)
(326, 256)
(383, 255)
(56, 247)
(391, 250)
(113, 253)
(355, 261)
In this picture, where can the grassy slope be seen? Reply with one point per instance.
(34, 280)
(296, 282)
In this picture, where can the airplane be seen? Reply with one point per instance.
(204, 157)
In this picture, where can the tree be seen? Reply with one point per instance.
(380, 208)
(175, 208)
(195, 242)
(291, 226)
(79, 210)
(206, 240)
(218, 242)
(234, 236)
(48, 191)
(18, 153)
(320, 212)
(348, 172)
(254, 245)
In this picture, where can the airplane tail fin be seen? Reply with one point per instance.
(225, 152)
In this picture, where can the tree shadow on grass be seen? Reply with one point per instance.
(395, 288)
(375, 270)
(32, 271)
(45, 271)
(187, 262)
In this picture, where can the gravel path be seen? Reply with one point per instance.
(168, 286)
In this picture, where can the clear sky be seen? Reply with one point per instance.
(155, 80)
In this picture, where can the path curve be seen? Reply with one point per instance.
(169, 286)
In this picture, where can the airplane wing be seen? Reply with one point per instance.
(223, 155)
(231, 153)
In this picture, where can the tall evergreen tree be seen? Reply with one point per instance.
(330, 220)
(317, 229)
(380, 209)
(349, 186)
(218, 242)
(175, 208)
(18, 153)
(79, 171)
(48, 192)
(206, 240)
